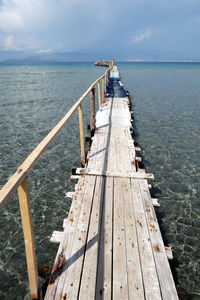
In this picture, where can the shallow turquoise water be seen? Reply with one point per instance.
(166, 101)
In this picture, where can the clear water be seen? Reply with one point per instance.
(34, 97)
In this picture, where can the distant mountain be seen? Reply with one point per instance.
(61, 57)
(15, 55)
(18, 56)
(136, 55)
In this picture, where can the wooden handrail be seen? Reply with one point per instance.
(12, 184)
(19, 181)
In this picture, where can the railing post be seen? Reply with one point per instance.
(99, 93)
(108, 75)
(92, 111)
(81, 135)
(103, 91)
(24, 203)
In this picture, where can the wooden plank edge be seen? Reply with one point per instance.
(135, 175)
(56, 236)
(75, 176)
(65, 222)
(139, 159)
(169, 252)
(70, 194)
(155, 201)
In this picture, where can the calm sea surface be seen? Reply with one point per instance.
(34, 97)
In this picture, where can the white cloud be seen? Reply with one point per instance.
(41, 51)
(18, 42)
(142, 35)
(9, 44)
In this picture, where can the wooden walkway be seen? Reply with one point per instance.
(111, 247)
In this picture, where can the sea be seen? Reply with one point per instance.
(166, 108)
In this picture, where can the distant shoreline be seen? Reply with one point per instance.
(87, 62)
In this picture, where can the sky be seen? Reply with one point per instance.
(128, 30)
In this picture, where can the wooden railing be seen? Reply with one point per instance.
(19, 181)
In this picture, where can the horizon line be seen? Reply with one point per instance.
(117, 61)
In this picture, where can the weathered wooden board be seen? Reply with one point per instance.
(121, 174)
(168, 289)
(120, 276)
(65, 254)
(134, 271)
(105, 258)
(88, 281)
(149, 272)
(75, 260)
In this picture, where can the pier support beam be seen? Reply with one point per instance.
(81, 135)
(103, 91)
(24, 203)
(99, 93)
(92, 111)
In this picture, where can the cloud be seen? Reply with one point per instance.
(62, 24)
(14, 15)
(18, 42)
(41, 51)
(81, 26)
(143, 35)
(9, 44)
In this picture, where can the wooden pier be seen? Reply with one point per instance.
(104, 63)
(111, 246)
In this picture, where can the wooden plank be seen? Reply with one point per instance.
(169, 252)
(149, 272)
(97, 153)
(72, 274)
(168, 289)
(64, 251)
(97, 150)
(139, 159)
(135, 282)
(131, 149)
(94, 149)
(75, 176)
(100, 162)
(112, 159)
(120, 280)
(88, 280)
(104, 271)
(56, 236)
(25, 210)
(124, 153)
(64, 223)
(119, 153)
(135, 175)
(155, 201)
(70, 194)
